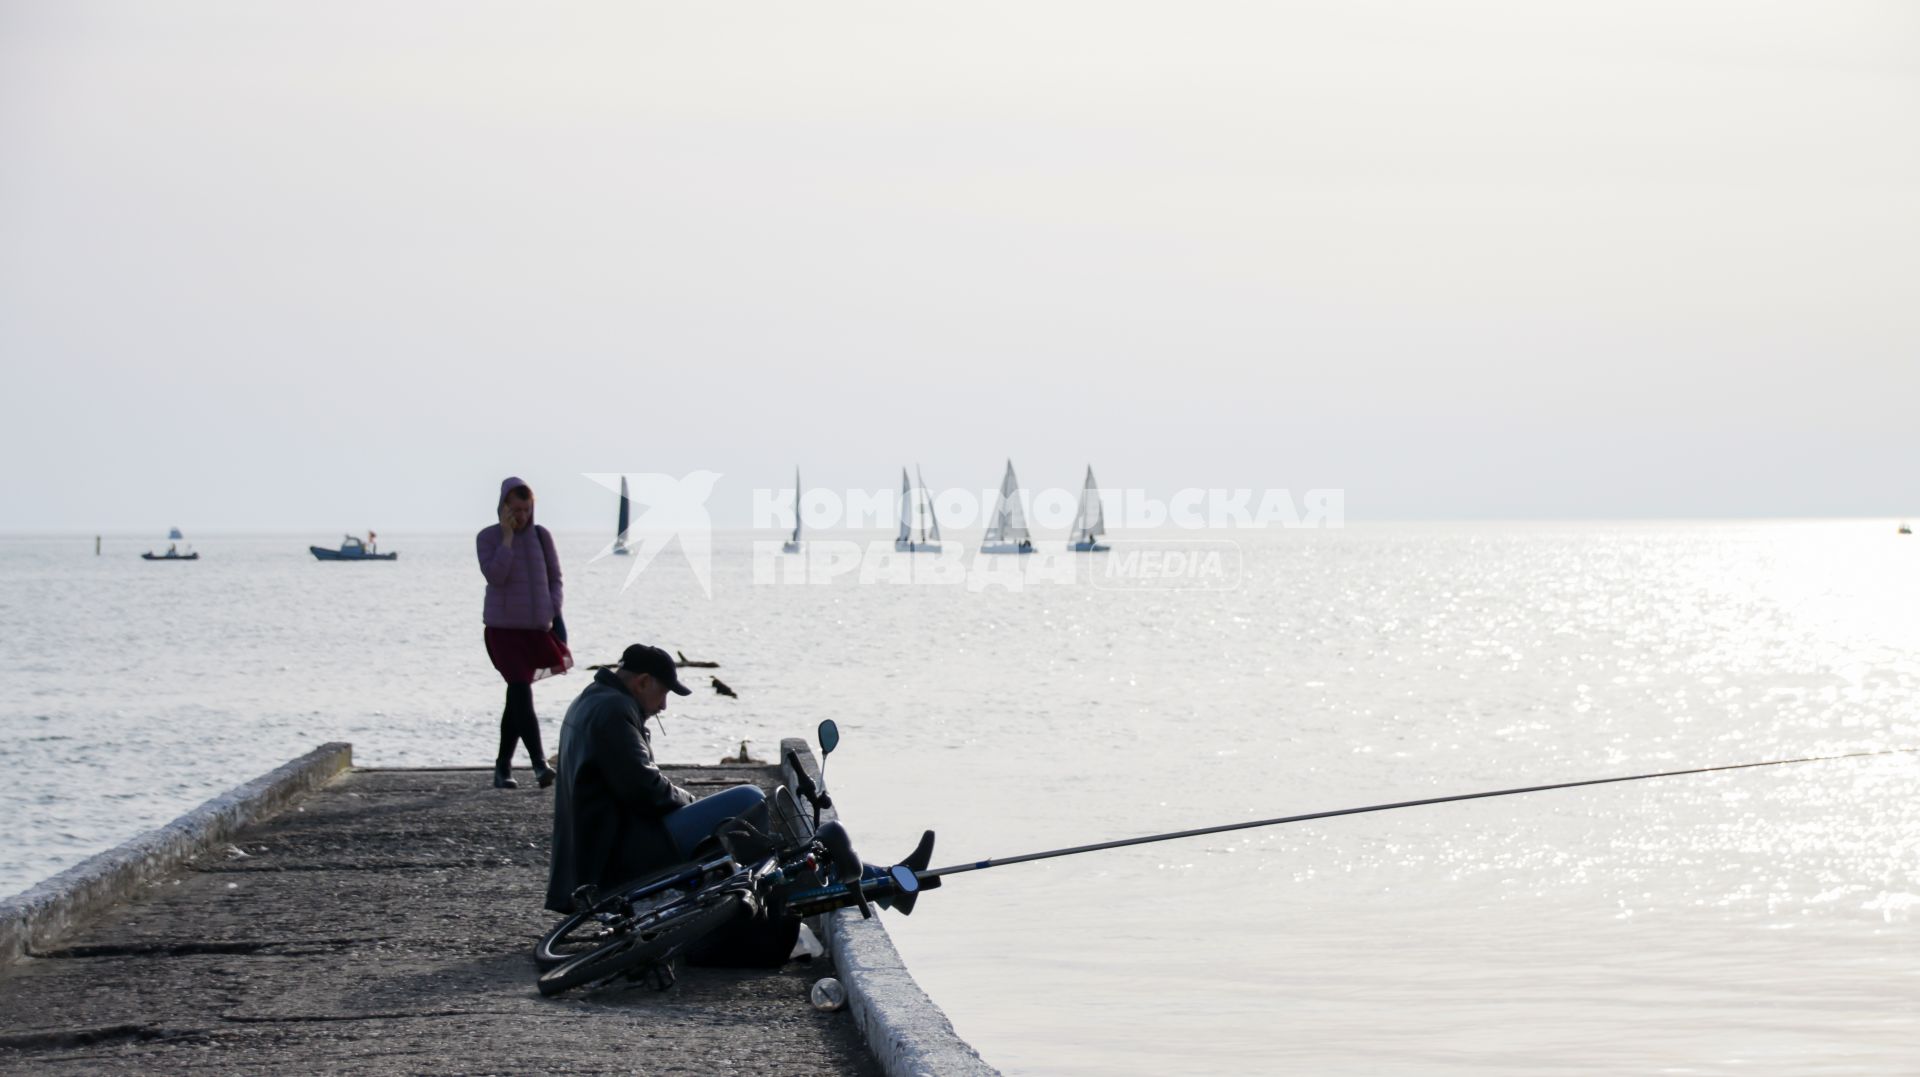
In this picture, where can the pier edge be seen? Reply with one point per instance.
(905, 1029)
(49, 910)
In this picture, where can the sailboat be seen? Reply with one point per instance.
(1007, 527)
(620, 537)
(793, 544)
(1090, 522)
(910, 509)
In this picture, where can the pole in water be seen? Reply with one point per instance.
(1309, 816)
(96, 545)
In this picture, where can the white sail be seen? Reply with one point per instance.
(1080, 515)
(796, 507)
(916, 515)
(1091, 522)
(906, 509)
(1009, 521)
(933, 521)
(1016, 511)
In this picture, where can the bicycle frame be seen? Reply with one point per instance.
(768, 882)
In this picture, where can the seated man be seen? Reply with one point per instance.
(615, 816)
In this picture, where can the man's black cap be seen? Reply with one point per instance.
(655, 663)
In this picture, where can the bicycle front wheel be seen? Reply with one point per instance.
(655, 937)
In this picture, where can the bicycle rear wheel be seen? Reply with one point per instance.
(592, 927)
(657, 936)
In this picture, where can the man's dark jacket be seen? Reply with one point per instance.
(610, 798)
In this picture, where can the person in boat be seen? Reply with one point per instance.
(525, 636)
(615, 816)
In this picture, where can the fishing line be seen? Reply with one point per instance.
(1225, 827)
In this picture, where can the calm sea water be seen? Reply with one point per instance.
(1759, 921)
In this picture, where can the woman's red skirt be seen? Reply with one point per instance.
(524, 655)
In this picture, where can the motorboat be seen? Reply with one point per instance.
(174, 552)
(353, 549)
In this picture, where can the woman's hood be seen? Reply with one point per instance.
(507, 486)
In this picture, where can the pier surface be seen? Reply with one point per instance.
(385, 924)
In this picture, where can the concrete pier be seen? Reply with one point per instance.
(382, 923)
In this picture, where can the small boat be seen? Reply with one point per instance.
(1905, 530)
(916, 506)
(173, 550)
(620, 535)
(352, 549)
(1007, 527)
(792, 545)
(1090, 522)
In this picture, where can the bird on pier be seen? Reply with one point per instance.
(744, 759)
(720, 686)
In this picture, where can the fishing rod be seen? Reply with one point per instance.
(1225, 827)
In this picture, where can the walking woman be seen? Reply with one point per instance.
(526, 638)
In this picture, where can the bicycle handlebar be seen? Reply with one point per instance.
(803, 784)
(846, 863)
(802, 781)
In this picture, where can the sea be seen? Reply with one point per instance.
(1753, 921)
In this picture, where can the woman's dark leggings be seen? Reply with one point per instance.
(518, 723)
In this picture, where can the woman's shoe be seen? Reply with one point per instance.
(544, 775)
(501, 779)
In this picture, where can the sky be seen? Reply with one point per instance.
(326, 266)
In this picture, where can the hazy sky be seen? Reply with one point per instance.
(334, 265)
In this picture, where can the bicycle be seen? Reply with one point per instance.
(641, 926)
